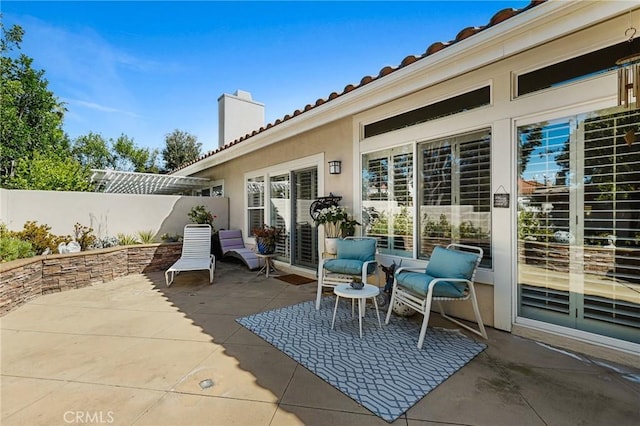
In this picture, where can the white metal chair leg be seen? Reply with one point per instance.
(319, 291)
(375, 303)
(474, 301)
(393, 298)
(360, 312)
(476, 311)
(425, 321)
(335, 310)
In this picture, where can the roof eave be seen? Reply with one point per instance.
(487, 46)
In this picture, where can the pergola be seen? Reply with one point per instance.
(119, 182)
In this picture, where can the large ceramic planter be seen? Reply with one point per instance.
(266, 245)
(331, 245)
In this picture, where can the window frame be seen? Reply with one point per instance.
(391, 243)
(263, 178)
(455, 185)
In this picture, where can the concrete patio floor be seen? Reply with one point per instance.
(133, 352)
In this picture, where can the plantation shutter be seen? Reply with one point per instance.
(456, 193)
(255, 202)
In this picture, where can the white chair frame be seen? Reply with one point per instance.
(332, 280)
(196, 253)
(422, 304)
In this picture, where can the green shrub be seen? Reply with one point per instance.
(12, 248)
(380, 225)
(39, 237)
(200, 214)
(437, 229)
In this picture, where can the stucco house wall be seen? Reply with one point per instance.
(333, 141)
(547, 34)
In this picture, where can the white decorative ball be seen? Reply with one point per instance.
(402, 310)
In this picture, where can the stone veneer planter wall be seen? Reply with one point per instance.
(25, 279)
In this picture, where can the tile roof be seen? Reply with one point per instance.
(465, 33)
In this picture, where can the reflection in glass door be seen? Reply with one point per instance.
(304, 238)
(579, 224)
(280, 213)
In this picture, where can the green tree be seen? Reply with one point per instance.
(180, 147)
(129, 157)
(50, 172)
(96, 152)
(31, 114)
(93, 150)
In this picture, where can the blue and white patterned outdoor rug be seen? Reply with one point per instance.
(384, 371)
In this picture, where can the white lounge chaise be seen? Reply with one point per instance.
(232, 245)
(196, 253)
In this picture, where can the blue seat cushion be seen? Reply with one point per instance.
(418, 282)
(344, 266)
(446, 263)
(362, 250)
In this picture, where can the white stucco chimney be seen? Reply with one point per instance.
(238, 115)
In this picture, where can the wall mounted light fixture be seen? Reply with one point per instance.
(335, 167)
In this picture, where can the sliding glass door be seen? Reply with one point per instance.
(304, 240)
(579, 222)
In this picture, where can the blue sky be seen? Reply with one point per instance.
(147, 68)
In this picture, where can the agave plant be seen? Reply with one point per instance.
(127, 240)
(145, 237)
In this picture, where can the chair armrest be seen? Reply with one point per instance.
(449, 280)
(365, 265)
(435, 281)
(409, 269)
(365, 269)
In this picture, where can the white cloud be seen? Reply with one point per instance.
(102, 108)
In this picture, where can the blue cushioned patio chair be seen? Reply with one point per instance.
(449, 277)
(355, 257)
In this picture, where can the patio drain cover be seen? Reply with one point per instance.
(207, 383)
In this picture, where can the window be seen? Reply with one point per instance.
(387, 199)
(255, 202)
(216, 190)
(470, 100)
(573, 69)
(455, 193)
(579, 223)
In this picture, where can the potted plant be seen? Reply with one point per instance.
(348, 227)
(200, 214)
(266, 238)
(332, 218)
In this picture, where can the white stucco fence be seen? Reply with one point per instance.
(107, 214)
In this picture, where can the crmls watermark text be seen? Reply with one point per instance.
(88, 417)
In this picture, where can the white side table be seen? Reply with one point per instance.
(367, 292)
(268, 263)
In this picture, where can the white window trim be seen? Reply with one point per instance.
(317, 160)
